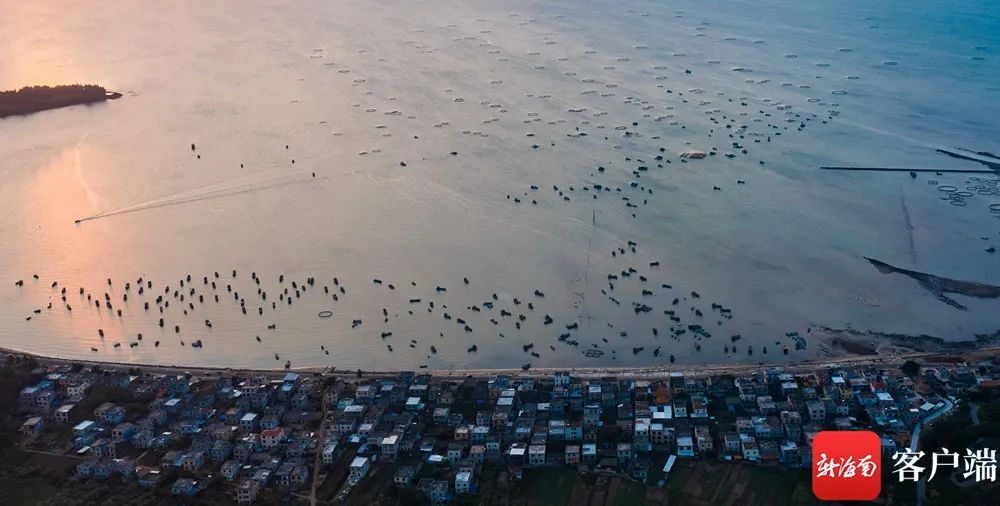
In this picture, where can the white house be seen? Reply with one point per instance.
(329, 452)
(463, 482)
(536, 455)
(359, 468)
(62, 415)
(249, 422)
(685, 446)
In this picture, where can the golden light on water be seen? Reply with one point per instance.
(454, 93)
(36, 52)
(54, 247)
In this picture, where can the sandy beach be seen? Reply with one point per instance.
(927, 358)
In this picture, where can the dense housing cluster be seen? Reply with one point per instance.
(439, 437)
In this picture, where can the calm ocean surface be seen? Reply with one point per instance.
(532, 97)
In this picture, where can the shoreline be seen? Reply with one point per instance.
(694, 370)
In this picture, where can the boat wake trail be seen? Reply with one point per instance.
(212, 191)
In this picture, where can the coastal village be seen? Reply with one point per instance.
(430, 253)
(352, 438)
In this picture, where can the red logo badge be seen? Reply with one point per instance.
(847, 466)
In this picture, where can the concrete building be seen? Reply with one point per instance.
(463, 482)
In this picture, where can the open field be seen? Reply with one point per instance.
(720, 484)
(549, 485)
(566, 487)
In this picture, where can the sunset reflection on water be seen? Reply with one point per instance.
(415, 119)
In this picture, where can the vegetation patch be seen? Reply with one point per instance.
(32, 99)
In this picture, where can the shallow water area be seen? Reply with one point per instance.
(525, 146)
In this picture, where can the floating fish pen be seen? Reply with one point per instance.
(800, 342)
(699, 330)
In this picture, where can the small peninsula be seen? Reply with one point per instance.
(939, 286)
(33, 99)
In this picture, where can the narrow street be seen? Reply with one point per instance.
(915, 443)
(318, 459)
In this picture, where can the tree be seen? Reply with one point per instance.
(910, 368)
